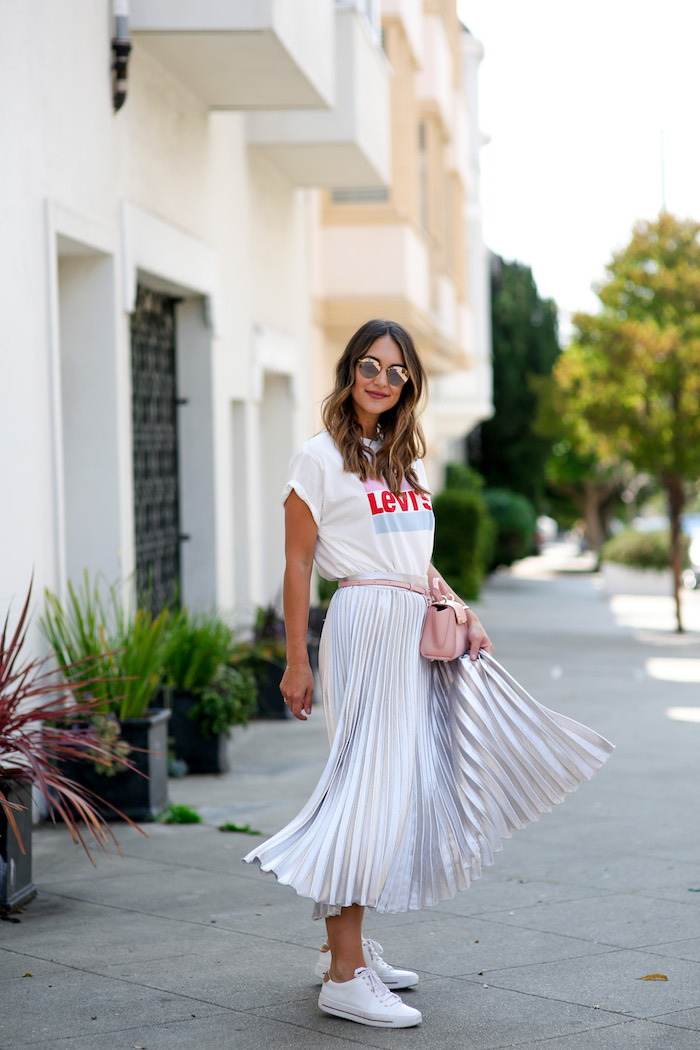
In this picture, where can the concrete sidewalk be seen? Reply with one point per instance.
(179, 945)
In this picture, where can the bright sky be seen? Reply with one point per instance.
(575, 98)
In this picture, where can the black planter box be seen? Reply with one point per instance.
(201, 753)
(268, 675)
(16, 886)
(141, 798)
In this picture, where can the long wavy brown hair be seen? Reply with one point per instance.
(403, 440)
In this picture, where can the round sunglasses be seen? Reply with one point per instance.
(369, 368)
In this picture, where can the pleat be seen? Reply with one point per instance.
(431, 765)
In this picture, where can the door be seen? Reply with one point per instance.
(154, 414)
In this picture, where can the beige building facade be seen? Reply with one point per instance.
(413, 250)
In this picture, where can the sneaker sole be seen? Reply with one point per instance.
(349, 1015)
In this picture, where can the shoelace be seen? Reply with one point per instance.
(375, 949)
(377, 986)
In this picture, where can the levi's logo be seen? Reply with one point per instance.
(386, 502)
(407, 511)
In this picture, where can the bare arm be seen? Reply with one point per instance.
(300, 539)
(478, 638)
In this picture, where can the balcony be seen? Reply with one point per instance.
(348, 145)
(251, 54)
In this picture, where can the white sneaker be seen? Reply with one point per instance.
(372, 951)
(366, 1000)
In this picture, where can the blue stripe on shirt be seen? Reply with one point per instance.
(400, 521)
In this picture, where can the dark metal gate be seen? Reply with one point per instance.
(154, 413)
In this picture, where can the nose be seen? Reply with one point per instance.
(382, 380)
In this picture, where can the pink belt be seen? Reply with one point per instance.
(371, 581)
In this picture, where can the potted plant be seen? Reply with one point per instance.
(124, 649)
(34, 745)
(265, 655)
(207, 695)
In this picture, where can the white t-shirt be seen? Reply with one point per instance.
(362, 526)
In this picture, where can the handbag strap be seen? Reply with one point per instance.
(437, 598)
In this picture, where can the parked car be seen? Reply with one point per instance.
(691, 576)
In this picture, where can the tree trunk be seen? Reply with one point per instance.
(674, 489)
(592, 499)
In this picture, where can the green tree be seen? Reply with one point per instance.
(506, 449)
(588, 488)
(630, 381)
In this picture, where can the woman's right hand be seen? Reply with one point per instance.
(297, 688)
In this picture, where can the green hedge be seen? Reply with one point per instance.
(643, 550)
(516, 522)
(463, 539)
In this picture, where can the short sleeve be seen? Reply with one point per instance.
(305, 477)
(421, 475)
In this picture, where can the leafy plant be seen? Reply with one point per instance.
(268, 643)
(463, 539)
(105, 650)
(460, 476)
(179, 813)
(197, 661)
(177, 767)
(516, 522)
(229, 699)
(105, 728)
(240, 829)
(197, 647)
(643, 550)
(34, 736)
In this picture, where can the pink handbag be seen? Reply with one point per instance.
(445, 635)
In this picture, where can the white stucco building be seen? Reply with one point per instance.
(178, 273)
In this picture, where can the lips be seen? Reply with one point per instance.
(377, 397)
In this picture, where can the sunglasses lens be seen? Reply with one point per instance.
(397, 376)
(368, 368)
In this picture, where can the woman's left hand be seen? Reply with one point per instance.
(478, 638)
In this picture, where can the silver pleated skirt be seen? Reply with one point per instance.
(431, 765)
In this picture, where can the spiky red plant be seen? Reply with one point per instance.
(38, 712)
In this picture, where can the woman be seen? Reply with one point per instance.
(431, 764)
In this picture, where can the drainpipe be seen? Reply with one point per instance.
(121, 46)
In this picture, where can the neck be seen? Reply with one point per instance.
(369, 425)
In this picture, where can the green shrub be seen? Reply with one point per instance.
(179, 813)
(515, 520)
(198, 644)
(240, 829)
(642, 550)
(463, 538)
(460, 476)
(230, 699)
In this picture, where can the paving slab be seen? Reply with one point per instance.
(624, 1035)
(462, 1014)
(611, 980)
